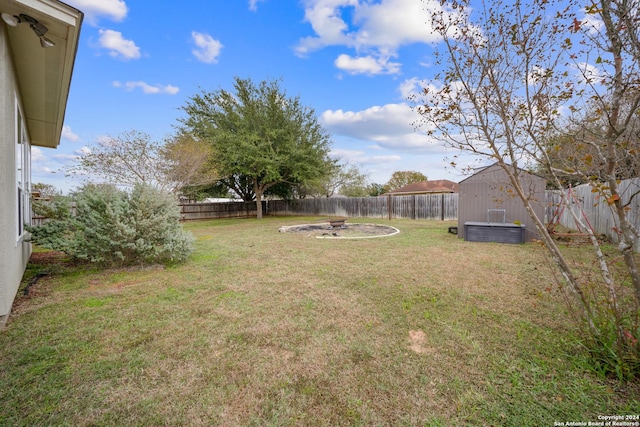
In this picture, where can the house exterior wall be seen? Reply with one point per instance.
(490, 189)
(14, 252)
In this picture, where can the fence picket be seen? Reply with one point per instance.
(595, 211)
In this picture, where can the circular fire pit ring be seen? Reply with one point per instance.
(329, 230)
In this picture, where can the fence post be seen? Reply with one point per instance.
(389, 205)
(413, 206)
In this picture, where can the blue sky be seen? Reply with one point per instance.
(353, 61)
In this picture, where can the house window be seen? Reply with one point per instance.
(23, 175)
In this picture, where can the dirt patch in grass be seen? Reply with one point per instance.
(418, 342)
(47, 258)
(35, 284)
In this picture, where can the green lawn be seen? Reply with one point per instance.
(267, 328)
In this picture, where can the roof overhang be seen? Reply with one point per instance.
(43, 74)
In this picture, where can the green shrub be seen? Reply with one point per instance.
(55, 232)
(115, 227)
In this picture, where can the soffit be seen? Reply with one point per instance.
(43, 74)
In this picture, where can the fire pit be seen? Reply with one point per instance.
(327, 230)
(337, 223)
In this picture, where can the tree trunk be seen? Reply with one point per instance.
(617, 123)
(553, 249)
(258, 190)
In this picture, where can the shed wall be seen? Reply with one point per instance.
(490, 189)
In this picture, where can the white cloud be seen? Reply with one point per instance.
(64, 158)
(82, 151)
(390, 127)
(116, 10)
(593, 23)
(104, 139)
(117, 45)
(379, 168)
(390, 119)
(325, 17)
(68, 134)
(208, 49)
(361, 157)
(590, 74)
(392, 23)
(434, 92)
(37, 155)
(411, 87)
(253, 5)
(374, 30)
(366, 65)
(45, 162)
(147, 88)
(539, 74)
(48, 166)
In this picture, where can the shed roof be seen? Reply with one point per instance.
(496, 165)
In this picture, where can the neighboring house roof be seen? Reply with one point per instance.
(425, 187)
(44, 74)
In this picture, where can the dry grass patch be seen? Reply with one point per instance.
(269, 328)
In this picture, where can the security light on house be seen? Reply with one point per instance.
(36, 26)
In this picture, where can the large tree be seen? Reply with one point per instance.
(516, 75)
(374, 189)
(188, 162)
(575, 154)
(257, 131)
(239, 184)
(134, 157)
(402, 178)
(344, 178)
(45, 191)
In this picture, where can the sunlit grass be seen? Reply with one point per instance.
(269, 328)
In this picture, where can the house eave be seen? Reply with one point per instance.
(44, 74)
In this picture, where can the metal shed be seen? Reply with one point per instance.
(491, 211)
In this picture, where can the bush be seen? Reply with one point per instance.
(55, 232)
(113, 227)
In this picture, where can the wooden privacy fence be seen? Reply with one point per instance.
(426, 206)
(189, 211)
(593, 209)
(429, 206)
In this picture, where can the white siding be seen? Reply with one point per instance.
(14, 252)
